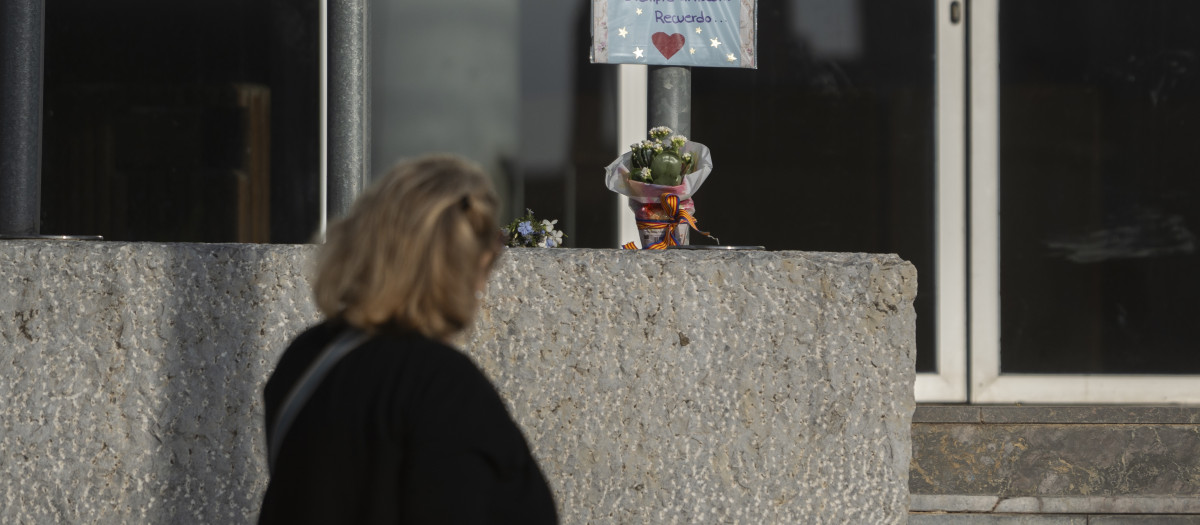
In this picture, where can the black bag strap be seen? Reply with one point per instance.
(308, 383)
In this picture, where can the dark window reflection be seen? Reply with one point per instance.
(181, 121)
(509, 86)
(1100, 118)
(829, 145)
(568, 124)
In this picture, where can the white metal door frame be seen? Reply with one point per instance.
(988, 384)
(949, 383)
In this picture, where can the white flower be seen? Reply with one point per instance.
(660, 132)
(548, 226)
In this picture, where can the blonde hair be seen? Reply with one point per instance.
(409, 251)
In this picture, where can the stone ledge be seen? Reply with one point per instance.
(759, 387)
(952, 503)
(1063, 415)
(1092, 459)
(1101, 505)
(921, 518)
(707, 387)
(1054, 505)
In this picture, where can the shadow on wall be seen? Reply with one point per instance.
(223, 353)
(137, 374)
(211, 468)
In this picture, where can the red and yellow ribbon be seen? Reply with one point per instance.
(677, 216)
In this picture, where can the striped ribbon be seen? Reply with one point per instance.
(678, 216)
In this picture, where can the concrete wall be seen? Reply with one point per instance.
(763, 387)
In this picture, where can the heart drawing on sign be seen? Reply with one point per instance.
(668, 45)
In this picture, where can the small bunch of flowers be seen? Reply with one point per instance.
(528, 232)
(656, 161)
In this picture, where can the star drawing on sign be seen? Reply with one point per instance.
(639, 10)
(729, 57)
(622, 32)
(637, 52)
(715, 42)
(698, 30)
(692, 51)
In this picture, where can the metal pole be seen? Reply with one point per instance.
(349, 103)
(323, 120)
(670, 105)
(671, 98)
(22, 26)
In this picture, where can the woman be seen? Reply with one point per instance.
(403, 428)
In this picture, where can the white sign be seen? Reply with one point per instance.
(707, 33)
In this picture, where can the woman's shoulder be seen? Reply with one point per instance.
(296, 357)
(390, 355)
(418, 350)
(434, 364)
(385, 341)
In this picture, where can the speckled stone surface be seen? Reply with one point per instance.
(1053, 460)
(133, 372)
(689, 387)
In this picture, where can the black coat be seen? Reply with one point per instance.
(403, 430)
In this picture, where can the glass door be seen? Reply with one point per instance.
(1085, 200)
(848, 137)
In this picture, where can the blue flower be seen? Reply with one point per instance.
(525, 228)
(550, 242)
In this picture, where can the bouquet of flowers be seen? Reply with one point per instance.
(528, 232)
(659, 177)
(656, 162)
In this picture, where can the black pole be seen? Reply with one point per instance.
(22, 26)
(349, 103)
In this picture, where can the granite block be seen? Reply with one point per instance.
(1056, 460)
(952, 503)
(133, 378)
(1091, 415)
(1082, 415)
(762, 387)
(994, 519)
(946, 414)
(1143, 520)
(699, 387)
(1101, 504)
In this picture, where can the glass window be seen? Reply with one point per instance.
(829, 145)
(1100, 201)
(509, 85)
(181, 121)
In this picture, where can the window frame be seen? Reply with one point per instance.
(988, 383)
(949, 383)
(633, 83)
